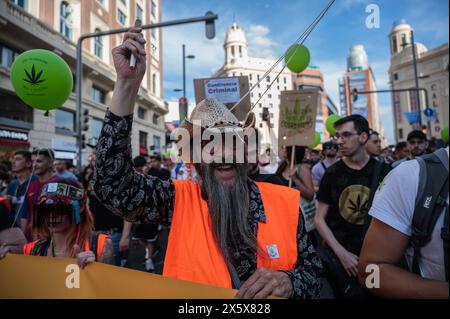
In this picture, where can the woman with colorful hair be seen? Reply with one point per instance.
(64, 225)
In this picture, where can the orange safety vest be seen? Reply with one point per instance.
(28, 248)
(193, 253)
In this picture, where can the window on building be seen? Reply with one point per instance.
(240, 51)
(157, 143)
(13, 108)
(154, 83)
(96, 127)
(269, 96)
(285, 88)
(278, 80)
(284, 80)
(259, 94)
(7, 56)
(232, 51)
(404, 40)
(394, 44)
(251, 94)
(141, 113)
(257, 77)
(143, 148)
(278, 87)
(98, 45)
(271, 106)
(395, 76)
(64, 120)
(121, 17)
(65, 20)
(155, 119)
(21, 3)
(268, 79)
(153, 33)
(153, 9)
(250, 76)
(400, 133)
(139, 12)
(98, 95)
(268, 86)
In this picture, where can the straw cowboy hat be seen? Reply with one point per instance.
(211, 116)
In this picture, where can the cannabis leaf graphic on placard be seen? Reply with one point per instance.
(34, 78)
(298, 118)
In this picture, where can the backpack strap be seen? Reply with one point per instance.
(323, 165)
(444, 236)
(430, 203)
(373, 188)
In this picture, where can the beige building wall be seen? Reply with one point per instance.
(432, 69)
(38, 26)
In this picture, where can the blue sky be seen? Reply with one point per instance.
(271, 26)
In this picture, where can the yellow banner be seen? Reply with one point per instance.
(44, 277)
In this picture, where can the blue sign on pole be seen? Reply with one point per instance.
(412, 117)
(429, 112)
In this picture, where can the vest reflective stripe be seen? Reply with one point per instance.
(192, 252)
(101, 243)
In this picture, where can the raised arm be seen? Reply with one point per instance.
(128, 194)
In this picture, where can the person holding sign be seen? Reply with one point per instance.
(226, 230)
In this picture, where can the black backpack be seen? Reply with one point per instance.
(431, 202)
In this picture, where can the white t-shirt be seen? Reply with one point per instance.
(394, 205)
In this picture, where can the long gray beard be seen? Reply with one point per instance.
(229, 208)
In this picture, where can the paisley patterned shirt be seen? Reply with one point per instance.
(147, 199)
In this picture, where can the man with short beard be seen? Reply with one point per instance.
(329, 152)
(417, 145)
(225, 230)
(43, 169)
(21, 167)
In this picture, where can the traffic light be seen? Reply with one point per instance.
(355, 95)
(85, 120)
(83, 141)
(183, 108)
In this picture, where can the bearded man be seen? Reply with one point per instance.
(226, 230)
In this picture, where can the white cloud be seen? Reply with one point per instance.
(260, 45)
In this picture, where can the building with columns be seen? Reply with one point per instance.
(432, 73)
(56, 26)
(238, 63)
(266, 104)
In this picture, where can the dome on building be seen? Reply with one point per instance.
(357, 58)
(235, 35)
(401, 24)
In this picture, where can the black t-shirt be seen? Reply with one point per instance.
(347, 193)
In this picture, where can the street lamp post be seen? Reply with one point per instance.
(183, 108)
(209, 19)
(416, 77)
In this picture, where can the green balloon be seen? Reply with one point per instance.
(317, 140)
(444, 134)
(329, 123)
(297, 58)
(42, 79)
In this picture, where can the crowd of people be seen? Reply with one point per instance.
(282, 228)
